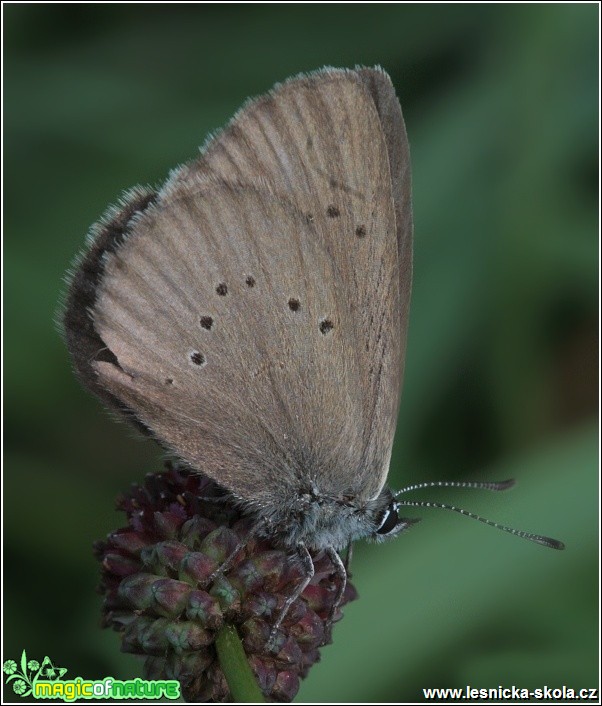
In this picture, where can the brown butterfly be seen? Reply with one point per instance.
(251, 315)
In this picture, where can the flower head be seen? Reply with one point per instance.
(160, 592)
(19, 686)
(10, 666)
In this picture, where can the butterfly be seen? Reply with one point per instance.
(251, 314)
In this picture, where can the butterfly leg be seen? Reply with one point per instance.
(348, 559)
(230, 559)
(341, 572)
(308, 566)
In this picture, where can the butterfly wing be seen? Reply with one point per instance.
(297, 196)
(232, 341)
(316, 136)
(336, 141)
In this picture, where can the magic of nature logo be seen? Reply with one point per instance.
(44, 680)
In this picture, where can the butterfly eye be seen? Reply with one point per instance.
(389, 521)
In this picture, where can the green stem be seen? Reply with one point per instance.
(236, 669)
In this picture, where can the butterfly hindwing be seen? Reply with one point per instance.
(246, 381)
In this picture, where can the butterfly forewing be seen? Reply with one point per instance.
(337, 141)
(319, 134)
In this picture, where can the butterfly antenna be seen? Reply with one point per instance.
(538, 538)
(491, 485)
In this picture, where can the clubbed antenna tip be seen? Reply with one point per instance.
(549, 542)
(493, 485)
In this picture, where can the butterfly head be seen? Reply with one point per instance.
(386, 522)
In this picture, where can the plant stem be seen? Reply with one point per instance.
(236, 669)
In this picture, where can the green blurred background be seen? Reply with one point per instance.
(501, 104)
